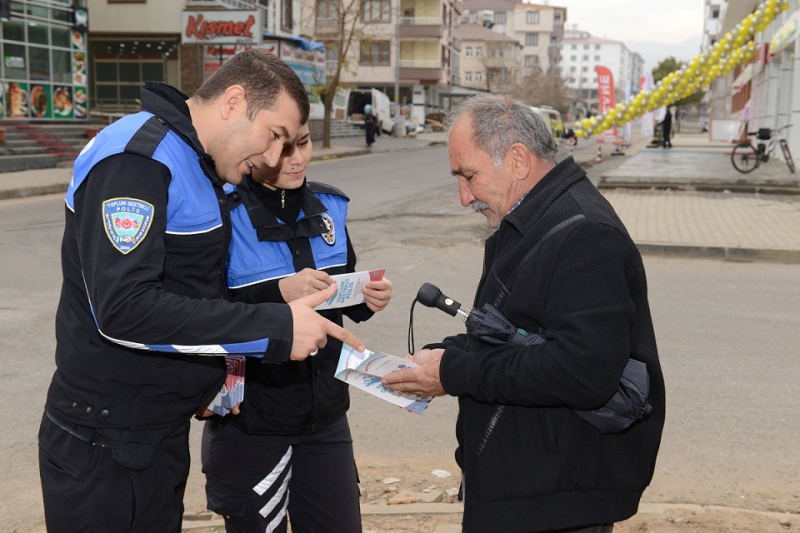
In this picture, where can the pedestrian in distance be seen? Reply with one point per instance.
(370, 125)
(560, 264)
(142, 323)
(666, 126)
(289, 449)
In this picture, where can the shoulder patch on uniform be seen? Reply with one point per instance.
(127, 221)
(330, 232)
(324, 188)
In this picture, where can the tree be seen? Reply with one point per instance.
(341, 25)
(543, 88)
(670, 64)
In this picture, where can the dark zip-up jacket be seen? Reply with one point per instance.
(529, 462)
(146, 235)
(296, 397)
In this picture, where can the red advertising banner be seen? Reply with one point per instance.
(605, 95)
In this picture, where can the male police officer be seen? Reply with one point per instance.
(144, 249)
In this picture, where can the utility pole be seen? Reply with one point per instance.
(396, 129)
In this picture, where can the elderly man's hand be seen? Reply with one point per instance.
(423, 379)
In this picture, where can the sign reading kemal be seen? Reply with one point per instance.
(221, 27)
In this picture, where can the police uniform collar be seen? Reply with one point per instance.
(169, 105)
(268, 227)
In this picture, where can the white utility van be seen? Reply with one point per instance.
(348, 104)
(564, 138)
(553, 119)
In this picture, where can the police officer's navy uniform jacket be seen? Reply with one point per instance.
(146, 237)
(297, 397)
(561, 261)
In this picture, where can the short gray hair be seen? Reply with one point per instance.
(499, 121)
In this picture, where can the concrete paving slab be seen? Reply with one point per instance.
(695, 169)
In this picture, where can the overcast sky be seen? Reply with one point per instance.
(655, 29)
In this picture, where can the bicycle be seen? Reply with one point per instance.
(746, 157)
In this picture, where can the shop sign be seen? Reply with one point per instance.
(221, 27)
(14, 62)
(785, 35)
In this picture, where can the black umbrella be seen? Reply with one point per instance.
(490, 325)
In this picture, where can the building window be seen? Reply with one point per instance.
(557, 18)
(586, 57)
(468, 76)
(472, 18)
(479, 76)
(585, 46)
(479, 51)
(531, 39)
(532, 61)
(574, 47)
(715, 13)
(572, 69)
(376, 11)
(374, 53)
(597, 57)
(596, 47)
(468, 51)
(499, 17)
(287, 16)
(532, 17)
(573, 58)
(584, 69)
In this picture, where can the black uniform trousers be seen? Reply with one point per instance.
(254, 481)
(74, 462)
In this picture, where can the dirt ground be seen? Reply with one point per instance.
(379, 485)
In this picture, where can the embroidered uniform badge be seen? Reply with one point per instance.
(330, 231)
(127, 221)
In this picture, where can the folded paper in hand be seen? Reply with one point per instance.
(232, 391)
(364, 370)
(350, 288)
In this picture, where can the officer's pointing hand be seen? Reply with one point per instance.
(311, 330)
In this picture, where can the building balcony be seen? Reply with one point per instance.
(421, 69)
(421, 28)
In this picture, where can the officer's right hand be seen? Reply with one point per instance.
(307, 281)
(311, 330)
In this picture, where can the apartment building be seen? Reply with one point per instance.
(490, 61)
(582, 52)
(539, 28)
(410, 42)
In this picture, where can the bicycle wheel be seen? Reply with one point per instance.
(787, 155)
(745, 157)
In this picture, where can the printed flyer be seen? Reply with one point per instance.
(350, 288)
(232, 391)
(364, 371)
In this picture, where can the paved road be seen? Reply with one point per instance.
(727, 333)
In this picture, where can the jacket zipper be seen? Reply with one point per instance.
(498, 412)
(283, 198)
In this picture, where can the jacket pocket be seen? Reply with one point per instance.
(517, 457)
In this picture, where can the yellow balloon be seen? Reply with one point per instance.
(579, 134)
(586, 123)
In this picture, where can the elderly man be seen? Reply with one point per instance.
(561, 264)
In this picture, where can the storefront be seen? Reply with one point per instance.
(44, 69)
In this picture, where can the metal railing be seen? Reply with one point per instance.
(420, 63)
(421, 21)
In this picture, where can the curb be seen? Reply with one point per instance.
(746, 188)
(208, 520)
(748, 255)
(25, 192)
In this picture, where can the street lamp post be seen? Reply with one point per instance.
(396, 129)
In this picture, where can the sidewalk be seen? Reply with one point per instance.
(677, 202)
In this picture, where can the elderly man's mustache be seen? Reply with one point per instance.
(478, 206)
